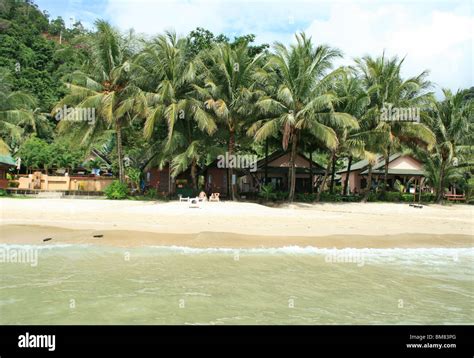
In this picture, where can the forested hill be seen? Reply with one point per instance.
(35, 52)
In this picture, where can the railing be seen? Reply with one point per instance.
(455, 197)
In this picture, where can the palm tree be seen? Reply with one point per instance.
(19, 115)
(299, 99)
(167, 64)
(106, 86)
(385, 87)
(450, 121)
(228, 90)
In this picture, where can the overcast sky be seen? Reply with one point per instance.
(437, 36)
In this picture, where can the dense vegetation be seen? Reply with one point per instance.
(187, 100)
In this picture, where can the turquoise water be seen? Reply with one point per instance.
(73, 284)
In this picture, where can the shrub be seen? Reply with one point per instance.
(281, 195)
(306, 197)
(13, 184)
(327, 197)
(428, 198)
(372, 197)
(151, 194)
(116, 191)
(267, 192)
(407, 198)
(3, 192)
(391, 196)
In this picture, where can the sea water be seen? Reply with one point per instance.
(89, 284)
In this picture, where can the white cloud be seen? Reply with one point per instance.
(440, 41)
(438, 37)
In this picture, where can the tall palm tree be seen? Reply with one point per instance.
(451, 122)
(170, 98)
(384, 84)
(107, 86)
(299, 99)
(228, 90)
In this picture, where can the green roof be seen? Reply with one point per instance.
(7, 159)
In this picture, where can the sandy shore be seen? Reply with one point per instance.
(229, 224)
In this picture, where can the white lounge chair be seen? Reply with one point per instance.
(194, 202)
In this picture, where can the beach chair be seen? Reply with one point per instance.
(202, 196)
(214, 197)
(194, 203)
(183, 199)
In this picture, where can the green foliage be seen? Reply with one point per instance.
(35, 153)
(267, 192)
(407, 198)
(116, 191)
(151, 194)
(64, 156)
(134, 175)
(327, 197)
(391, 196)
(306, 197)
(28, 46)
(3, 192)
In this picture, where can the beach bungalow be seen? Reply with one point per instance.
(165, 184)
(274, 169)
(215, 179)
(401, 167)
(6, 162)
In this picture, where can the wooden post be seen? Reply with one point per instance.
(311, 172)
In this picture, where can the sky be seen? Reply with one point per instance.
(432, 35)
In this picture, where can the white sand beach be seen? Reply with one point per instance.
(235, 224)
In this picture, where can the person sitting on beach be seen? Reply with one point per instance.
(202, 196)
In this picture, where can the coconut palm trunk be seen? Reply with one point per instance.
(346, 180)
(230, 150)
(194, 174)
(369, 185)
(385, 177)
(333, 173)
(118, 132)
(292, 179)
(323, 184)
(439, 189)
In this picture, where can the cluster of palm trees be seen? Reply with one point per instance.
(190, 107)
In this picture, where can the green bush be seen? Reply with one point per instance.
(331, 198)
(267, 192)
(281, 195)
(391, 196)
(151, 194)
(3, 192)
(13, 184)
(372, 197)
(116, 191)
(428, 198)
(306, 197)
(407, 198)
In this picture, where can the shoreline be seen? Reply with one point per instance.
(236, 224)
(34, 235)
